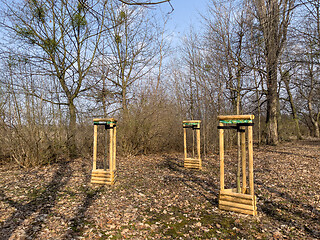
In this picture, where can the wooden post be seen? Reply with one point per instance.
(250, 152)
(243, 158)
(185, 142)
(114, 146)
(221, 145)
(192, 143)
(95, 143)
(238, 176)
(198, 141)
(105, 158)
(111, 148)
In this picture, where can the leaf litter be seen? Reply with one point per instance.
(156, 198)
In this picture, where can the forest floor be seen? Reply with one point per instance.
(156, 198)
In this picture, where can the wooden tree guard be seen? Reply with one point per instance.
(105, 176)
(194, 162)
(229, 199)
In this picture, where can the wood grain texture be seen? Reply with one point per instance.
(198, 144)
(239, 210)
(236, 117)
(185, 142)
(250, 162)
(191, 121)
(114, 147)
(243, 159)
(95, 143)
(221, 155)
(104, 120)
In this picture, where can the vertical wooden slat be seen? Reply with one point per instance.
(250, 152)
(105, 158)
(199, 146)
(95, 138)
(243, 159)
(238, 176)
(192, 143)
(221, 146)
(114, 146)
(198, 142)
(111, 148)
(185, 142)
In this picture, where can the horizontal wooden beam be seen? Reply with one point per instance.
(237, 205)
(104, 119)
(192, 160)
(236, 117)
(192, 165)
(235, 199)
(102, 176)
(100, 171)
(239, 210)
(228, 192)
(191, 121)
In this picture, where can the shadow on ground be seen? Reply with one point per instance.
(290, 211)
(41, 204)
(196, 180)
(76, 223)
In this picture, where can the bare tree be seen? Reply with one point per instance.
(133, 49)
(227, 33)
(61, 39)
(308, 60)
(136, 3)
(308, 90)
(286, 78)
(274, 19)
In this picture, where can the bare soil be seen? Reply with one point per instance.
(156, 198)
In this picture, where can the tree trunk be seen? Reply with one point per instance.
(124, 104)
(274, 18)
(272, 104)
(316, 129)
(293, 108)
(72, 147)
(104, 97)
(314, 122)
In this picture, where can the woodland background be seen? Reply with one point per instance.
(65, 62)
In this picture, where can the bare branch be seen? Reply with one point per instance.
(143, 3)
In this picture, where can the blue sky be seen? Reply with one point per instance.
(185, 14)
